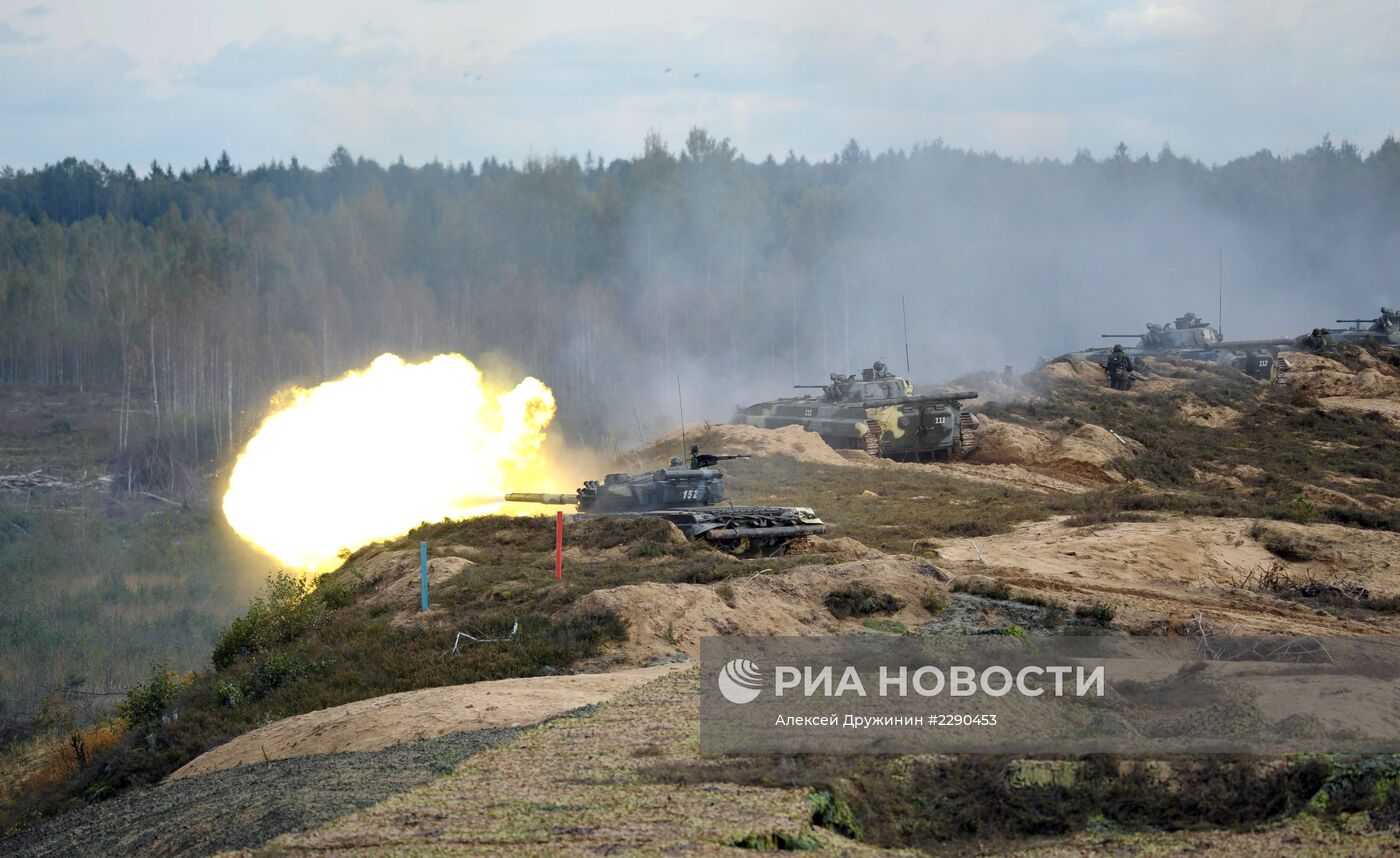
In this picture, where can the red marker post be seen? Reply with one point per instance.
(559, 546)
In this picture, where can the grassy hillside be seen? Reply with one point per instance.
(1198, 440)
(357, 634)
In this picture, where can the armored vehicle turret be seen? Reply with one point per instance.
(1385, 328)
(876, 411)
(688, 494)
(1192, 337)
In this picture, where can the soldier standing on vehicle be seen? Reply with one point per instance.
(1119, 368)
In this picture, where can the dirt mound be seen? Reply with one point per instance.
(1073, 370)
(791, 441)
(664, 618)
(842, 548)
(1201, 413)
(369, 725)
(1081, 455)
(391, 579)
(1373, 386)
(1161, 574)
(808, 447)
(1321, 377)
(1162, 376)
(1387, 407)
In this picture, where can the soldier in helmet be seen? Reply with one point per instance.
(676, 462)
(882, 371)
(1319, 340)
(1119, 368)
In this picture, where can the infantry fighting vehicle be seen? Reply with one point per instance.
(1192, 337)
(877, 412)
(1385, 328)
(689, 497)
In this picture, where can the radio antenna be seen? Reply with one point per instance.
(904, 311)
(680, 400)
(1220, 294)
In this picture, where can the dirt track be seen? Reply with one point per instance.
(579, 786)
(245, 807)
(369, 725)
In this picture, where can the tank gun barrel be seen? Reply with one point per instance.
(1251, 344)
(538, 497)
(1121, 336)
(811, 386)
(709, 460)
(923, 399)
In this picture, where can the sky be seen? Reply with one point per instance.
(459, 80)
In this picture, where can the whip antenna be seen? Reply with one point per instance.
(1220, 294)
(905, 312)
(680, 400)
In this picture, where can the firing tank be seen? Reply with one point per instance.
(1190, 336)
(689, 496)
(877, 412)
(1385, 329)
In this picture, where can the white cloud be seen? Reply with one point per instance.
(1161, 21)
(10, 36)
(1028, 77)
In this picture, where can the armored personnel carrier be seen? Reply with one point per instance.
(1385, 328)
(877, 412)
(689, 496)
(1190, 336)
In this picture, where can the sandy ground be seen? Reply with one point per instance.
(1092, 375)
(1081, 454)
(1158, 576)
(579, 786)
(588, 785)
(369, 725)
(1165, 573)
(1386, 406)
(1324, 377)
(1014, 456)
(664, 618)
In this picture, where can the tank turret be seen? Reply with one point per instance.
(688, 497)
(1384, 328)
(876, 411)
(1190, 336)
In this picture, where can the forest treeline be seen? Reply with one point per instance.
(200, 292)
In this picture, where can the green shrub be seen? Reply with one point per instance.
(1300, 509)
(334, 594)
(1384, 604)
(284, 612)
(726, 595)
(859, 600)
(230, 694)
(1013, 631)
(147, 702)
(987, 588)
(1099, 614)
(830, 811)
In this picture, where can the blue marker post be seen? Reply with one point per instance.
(423, 576)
